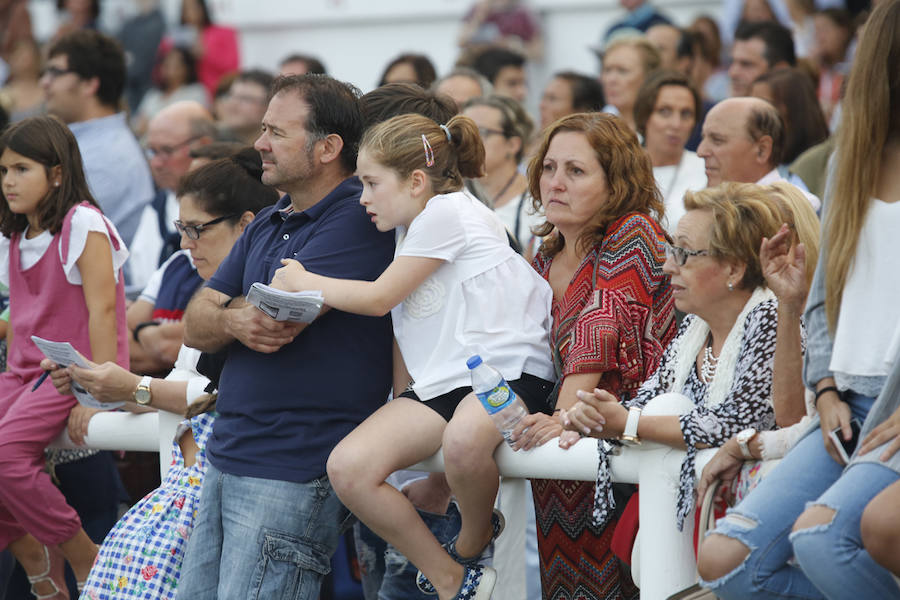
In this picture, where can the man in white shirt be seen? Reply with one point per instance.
(743, 140)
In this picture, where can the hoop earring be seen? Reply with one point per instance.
(730, 287)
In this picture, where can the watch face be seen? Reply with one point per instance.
(142, 396)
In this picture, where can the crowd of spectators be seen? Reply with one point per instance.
(690, 247)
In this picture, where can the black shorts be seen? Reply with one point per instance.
(531, 389)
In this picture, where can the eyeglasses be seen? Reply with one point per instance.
(193, 231)
(167, 151)
(680, 255)
(54, 72)
(486, 131)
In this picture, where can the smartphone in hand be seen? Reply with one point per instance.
(844, 447)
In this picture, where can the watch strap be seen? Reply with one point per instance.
(631, 426)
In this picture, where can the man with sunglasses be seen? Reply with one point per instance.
(83, 82)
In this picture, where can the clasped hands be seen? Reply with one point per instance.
(596, 414)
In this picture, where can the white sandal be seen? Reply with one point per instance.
(44, 578)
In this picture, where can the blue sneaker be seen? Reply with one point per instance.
(498, 524)
(478, 583)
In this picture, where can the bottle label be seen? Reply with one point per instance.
(497, 399)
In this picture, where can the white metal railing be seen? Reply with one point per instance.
(664, 551)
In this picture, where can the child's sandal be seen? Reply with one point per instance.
(47, 578)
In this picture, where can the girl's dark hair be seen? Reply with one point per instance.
(587, 93)
(425, 73)
(794, 95)
(229, 186)
(187, 59)
(207, 20)
(46, 140)
(458, 151)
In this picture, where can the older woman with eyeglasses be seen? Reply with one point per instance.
(721, 360)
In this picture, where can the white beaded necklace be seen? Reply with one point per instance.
(709, 364)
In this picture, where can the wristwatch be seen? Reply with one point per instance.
(743, 440)
(142, 393)
(630, 435)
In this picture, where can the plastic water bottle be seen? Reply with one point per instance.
(498, 399)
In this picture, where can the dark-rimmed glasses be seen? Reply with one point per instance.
(193, 231)
(168, 151)
(680, 255)
(54, 72)
(486, 131)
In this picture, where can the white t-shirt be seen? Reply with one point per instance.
(870, 310)
(521, 209)
(83, 221)
(485, 299)
(674, 180)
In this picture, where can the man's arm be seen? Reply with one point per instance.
(210, 326)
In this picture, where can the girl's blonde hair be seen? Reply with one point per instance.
(454, 150)
(803, 221)
(869, 120)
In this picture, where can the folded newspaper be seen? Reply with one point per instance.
(299, 307)
(64, 354)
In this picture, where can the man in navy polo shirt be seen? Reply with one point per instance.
(268, 519)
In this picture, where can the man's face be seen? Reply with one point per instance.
(168, 146)
(510, 82)
(726, 148)
(748, 61)
(64, 91)
(666, 39)
(284, 144)
(244, 106)
(460, 87)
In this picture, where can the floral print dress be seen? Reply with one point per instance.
(142, 555)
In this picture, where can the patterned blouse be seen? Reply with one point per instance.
(617, 315)
(748, 404)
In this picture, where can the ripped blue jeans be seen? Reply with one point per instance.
(832, 562)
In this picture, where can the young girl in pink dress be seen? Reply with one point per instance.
(62, 261)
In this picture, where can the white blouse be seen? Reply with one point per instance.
(84, 221)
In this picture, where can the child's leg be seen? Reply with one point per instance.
(29, 502)
(397, 435)
(469, 443)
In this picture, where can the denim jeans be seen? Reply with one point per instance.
(399, 581)
(261, 538)
(370, 554)
(763, 522)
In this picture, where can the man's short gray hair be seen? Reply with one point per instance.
(763, 119)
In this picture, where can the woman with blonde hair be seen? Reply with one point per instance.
(721, 360)
(627, 61)
(788, 261)
(810, 506)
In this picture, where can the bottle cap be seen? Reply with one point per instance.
(474, 361)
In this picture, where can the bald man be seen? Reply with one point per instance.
(743, 140)
(171, 135)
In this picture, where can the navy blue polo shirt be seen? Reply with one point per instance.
(281, 414)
